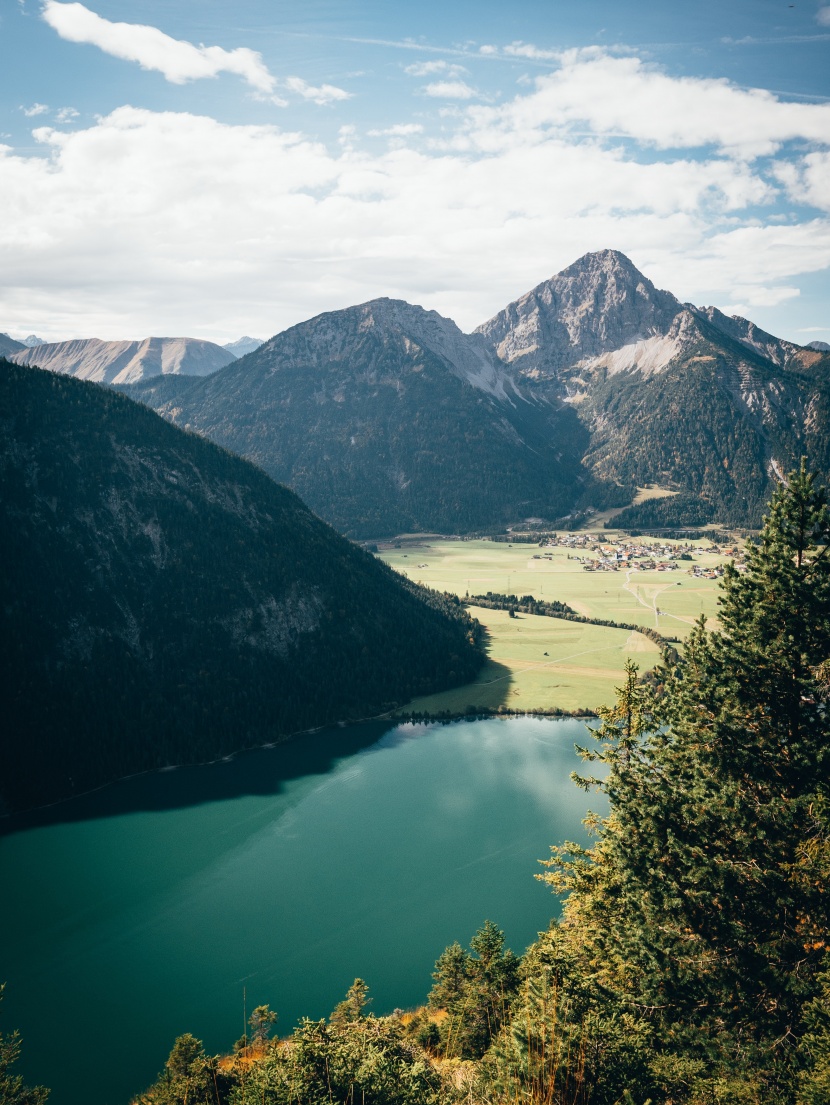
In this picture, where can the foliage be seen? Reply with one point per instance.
(190, 1077)
(164, 602)
(707, 426)
(815, 1079)
(13, 1090)
(704, 907)
(262, 1021)
(475, 989)
(565, 1042)
(366, 1060)
(675, 511)
(351, 1008)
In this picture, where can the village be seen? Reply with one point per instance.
(634, 555)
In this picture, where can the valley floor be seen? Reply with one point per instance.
(539, 662)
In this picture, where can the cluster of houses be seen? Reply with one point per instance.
(633, 555)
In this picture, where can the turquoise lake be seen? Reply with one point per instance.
(146, 910)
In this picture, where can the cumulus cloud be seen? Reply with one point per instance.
(823, 16)
(399, 130)
(625, 97)
(428, 68)
(183, 223)
(449, 90)
(66, 115)
(35, 109)
(177, 60)
(319, 94)
(534, 53)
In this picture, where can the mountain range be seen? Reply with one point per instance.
(123, 362)
(387, 418)
(165, 602)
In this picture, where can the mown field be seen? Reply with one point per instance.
(536, 662)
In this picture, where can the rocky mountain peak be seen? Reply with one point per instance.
(600, 303)
(333, 337)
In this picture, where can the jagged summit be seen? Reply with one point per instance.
(600, 303)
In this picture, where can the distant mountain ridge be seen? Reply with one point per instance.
(386, 417)
(8, 345)
(124, 362)
(164, 602)
(243, 345)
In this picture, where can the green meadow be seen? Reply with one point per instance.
(537, 662)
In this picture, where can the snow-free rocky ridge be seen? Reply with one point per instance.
(126, 362)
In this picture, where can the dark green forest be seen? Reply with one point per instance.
(711, 425)
(165, 602)
(690, 964)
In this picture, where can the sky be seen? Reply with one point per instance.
(213, 169)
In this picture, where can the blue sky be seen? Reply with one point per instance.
(213, 169)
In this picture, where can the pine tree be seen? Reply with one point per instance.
(704, 902)
(13, 1090)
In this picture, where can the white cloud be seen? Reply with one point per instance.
(151, 222)
(35, 109)
(179, 61)
(526, 50)
(428, 68)
(319, 94)
(449, 90)
(808, 179)
(624, 97)
(66, 115)
(823, 16)
(399, 130)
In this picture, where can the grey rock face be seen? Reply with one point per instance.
(125, 362)
(328, 338)
(774, 349)
(597, 305)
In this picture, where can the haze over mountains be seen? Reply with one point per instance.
(386, 417)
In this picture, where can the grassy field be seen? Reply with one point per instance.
(584, 663)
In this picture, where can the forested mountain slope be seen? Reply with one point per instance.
(385, 418)
(162, 601)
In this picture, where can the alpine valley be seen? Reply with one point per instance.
(386, 418)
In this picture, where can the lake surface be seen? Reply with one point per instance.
(144, 911)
